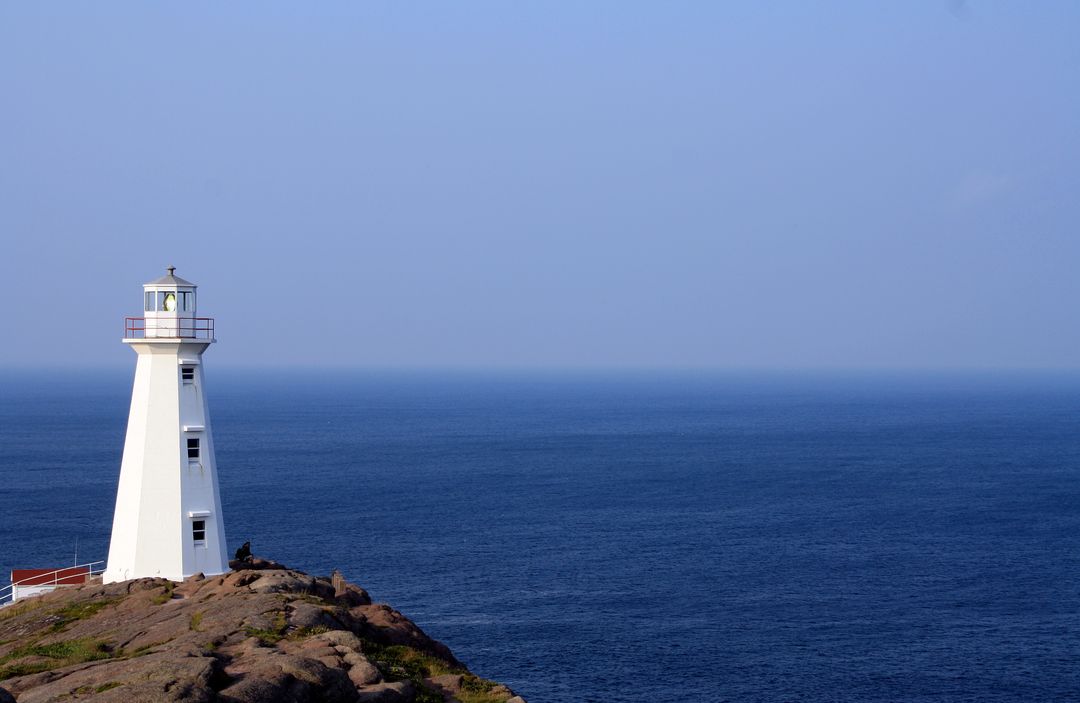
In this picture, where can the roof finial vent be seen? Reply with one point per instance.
(171, 270)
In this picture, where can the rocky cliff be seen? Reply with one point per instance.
(260, 633)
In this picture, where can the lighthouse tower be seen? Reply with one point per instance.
(168, 520)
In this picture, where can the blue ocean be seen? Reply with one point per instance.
(633, 537)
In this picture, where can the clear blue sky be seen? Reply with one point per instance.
(515, 184)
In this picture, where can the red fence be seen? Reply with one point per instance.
(64, 576)
(179, 327)
(59, 577)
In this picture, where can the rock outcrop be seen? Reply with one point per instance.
(260, 633)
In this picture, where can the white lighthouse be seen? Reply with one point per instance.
(168, 518)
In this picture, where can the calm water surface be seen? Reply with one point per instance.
(633, 538)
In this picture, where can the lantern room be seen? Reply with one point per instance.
(169, 311)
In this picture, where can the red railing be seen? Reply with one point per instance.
(180, 327)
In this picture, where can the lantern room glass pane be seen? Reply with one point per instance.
(148, 302)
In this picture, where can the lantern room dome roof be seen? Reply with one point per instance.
(171, 280)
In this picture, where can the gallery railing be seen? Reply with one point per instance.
(178, 327)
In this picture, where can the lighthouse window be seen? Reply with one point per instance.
(185, 301)
(193, 448)
(198, 530)
(148, 305)
(187, 373)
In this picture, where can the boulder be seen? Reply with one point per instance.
(397, 692)
(387, 626)
(283, 677)
(310, 616)
(449, 683)
(361, 671)
(341, 638)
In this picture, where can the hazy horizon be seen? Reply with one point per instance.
(113, 372)
(610, 185)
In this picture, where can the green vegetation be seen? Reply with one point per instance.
(55, 654)
(426, 695)
(302, 633)
(20, 607)
(195, 622)
(403, 662)
(272, 635)
(141, 651)
(400, 662)
(79, 611)
(165, 596)
(477, 690)
(88, 689)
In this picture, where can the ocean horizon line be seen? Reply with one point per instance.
(615, 369)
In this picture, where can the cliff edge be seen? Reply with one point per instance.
(262, 632)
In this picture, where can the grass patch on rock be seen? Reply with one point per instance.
(401, 662)
(477, 690)
(79, 611)
(19, 607)
(212, 645)
(302, 633)
(55, 655)
(141, 651)
(87, 690)
(165, 596)
(271, 635)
